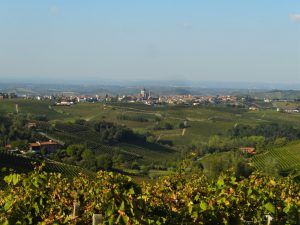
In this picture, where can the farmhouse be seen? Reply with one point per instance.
(46, 145)
(248, 150)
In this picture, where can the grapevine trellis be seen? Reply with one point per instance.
(282, 157)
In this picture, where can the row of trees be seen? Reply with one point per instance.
(271, 131)
(110, 133)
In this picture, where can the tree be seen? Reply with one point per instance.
(87, 154)
(76, 150)
(181, 125)
(105, 162)
(168, 126)
(20, 145)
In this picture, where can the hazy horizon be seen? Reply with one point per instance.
(86, 42)
(204, 84)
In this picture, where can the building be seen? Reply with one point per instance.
(248, 150)
(49, 146)
(143, 93)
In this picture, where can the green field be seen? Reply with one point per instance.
(30, 107)
(203, 122)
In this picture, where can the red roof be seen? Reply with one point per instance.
(38, 144)
(35, 144)
(249, 150)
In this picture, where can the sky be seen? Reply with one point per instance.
(194, 40)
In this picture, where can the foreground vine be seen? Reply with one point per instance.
(47, 198)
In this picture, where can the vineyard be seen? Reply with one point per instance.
(283, 158)
(23, 164)
(74, 133)
(183, 198)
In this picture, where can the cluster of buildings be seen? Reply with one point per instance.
(149, 98)
(197, 100)
(145, 96)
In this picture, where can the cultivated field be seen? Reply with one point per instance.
(202, 121)
(283, 158)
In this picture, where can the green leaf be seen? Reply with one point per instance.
(203, 205)
(7, 205)
(286, 209)
(220, 182)
(190, 209)
(15, 178)
(131, 191)
(8, 179)
(122, 207)
(36, 207)
(249, 192)
(270, 207)
(195, 214)
(125, 219)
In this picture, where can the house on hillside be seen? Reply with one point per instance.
(49, 146)
(248, 150)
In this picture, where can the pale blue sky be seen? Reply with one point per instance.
(232, 40)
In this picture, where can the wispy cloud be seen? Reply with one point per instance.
(295, 17)
(54, 10)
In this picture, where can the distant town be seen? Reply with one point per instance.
(150, 98)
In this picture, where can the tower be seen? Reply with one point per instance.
(143, 93)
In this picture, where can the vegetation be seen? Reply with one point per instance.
(13, 129)
(22, 164)
(183, 198)
(123, 133)
(281, 160)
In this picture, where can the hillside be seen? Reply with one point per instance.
(21, 164)
(165, 141)
(283, 159)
